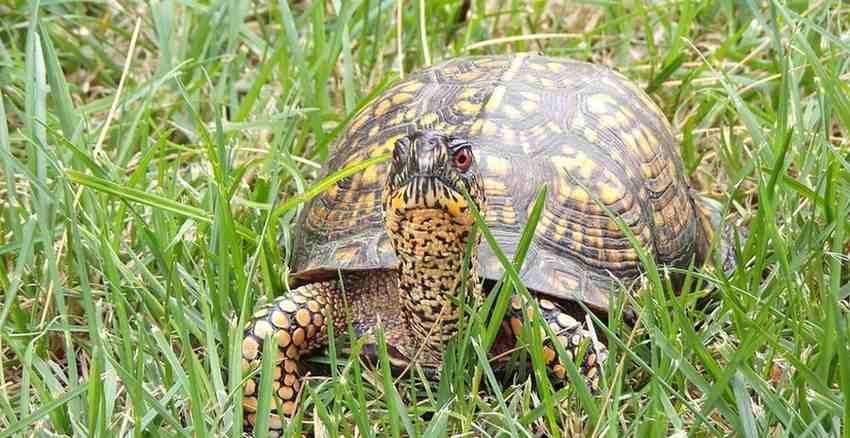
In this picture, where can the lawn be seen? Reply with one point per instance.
(154, 156)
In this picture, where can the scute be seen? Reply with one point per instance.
(592, 137)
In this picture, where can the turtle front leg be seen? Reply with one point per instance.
(297, 324)
(571, 333)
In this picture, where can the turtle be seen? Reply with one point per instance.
(386, 246)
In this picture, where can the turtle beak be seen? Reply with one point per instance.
(430, 152)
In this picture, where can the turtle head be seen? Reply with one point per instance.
(429, 174)
(429, 221)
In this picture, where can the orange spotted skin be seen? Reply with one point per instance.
(397, 232)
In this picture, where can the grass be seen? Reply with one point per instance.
(153, 155)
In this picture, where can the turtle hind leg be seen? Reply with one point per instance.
(571, 333)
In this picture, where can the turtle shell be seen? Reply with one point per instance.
(584, 131)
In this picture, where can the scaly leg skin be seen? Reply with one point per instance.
(296, 322)
(570, 333)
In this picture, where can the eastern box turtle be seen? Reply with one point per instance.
(387, 245)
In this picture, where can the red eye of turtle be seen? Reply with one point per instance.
(462, 159)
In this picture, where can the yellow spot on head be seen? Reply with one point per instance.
(397, 203)
(648, 171)
(455, 206)
(545, 221)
